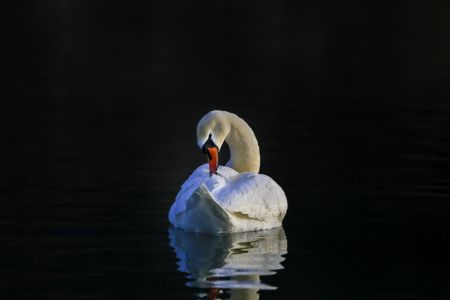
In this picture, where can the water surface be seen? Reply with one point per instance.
(349, 102)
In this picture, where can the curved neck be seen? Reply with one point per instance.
(244, 149)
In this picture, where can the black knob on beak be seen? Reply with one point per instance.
(208, 144)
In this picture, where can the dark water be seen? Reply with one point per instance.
(350, 104)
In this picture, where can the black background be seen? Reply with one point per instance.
(349, 102)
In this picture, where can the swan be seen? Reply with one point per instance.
(231, 198)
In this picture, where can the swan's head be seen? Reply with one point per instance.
(212, 130)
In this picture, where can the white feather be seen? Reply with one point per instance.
(229, 202)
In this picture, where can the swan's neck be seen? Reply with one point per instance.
(244, 149)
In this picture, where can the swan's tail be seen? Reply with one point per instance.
(203, 214)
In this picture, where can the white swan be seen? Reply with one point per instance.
(231, 198)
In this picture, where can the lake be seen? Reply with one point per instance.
(85, 215)
(352, 118)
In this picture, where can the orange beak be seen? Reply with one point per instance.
(213, 159)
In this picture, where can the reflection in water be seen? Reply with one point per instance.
(232, 261)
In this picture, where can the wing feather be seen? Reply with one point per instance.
(255, 195)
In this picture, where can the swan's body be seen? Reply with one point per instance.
(235, 198)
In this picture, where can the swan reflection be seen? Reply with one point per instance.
(232, 261)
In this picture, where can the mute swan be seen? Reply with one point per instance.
(231, 198)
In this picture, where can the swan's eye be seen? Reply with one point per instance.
(210, 135)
